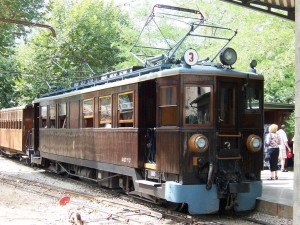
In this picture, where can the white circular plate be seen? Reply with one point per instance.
(191, 57)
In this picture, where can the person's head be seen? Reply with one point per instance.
(282, 127)
(273, 128)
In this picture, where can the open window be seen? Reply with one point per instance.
(44, 115)
(126, 109)
(105, 111)
(168, 108)
(52, 116)
(62, 115)
(88, 113)
(198, 105)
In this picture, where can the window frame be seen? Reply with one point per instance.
(43, 118)
(162, 107)
(211, 108)
(88, 117)
(127, 121)
(64, 124)
(101, 122)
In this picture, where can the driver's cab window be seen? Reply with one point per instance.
(198, 105)
(252, 100)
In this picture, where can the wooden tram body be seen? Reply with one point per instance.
(159, 107)
(176, 131)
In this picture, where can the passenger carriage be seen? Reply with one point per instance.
(15, 130)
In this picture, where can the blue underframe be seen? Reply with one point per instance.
(203, 201)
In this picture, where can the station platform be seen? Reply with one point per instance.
(277, 195)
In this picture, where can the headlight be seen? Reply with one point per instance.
(228, 56)
(198, 143)
(254, 143)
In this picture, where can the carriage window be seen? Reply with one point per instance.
(105, 111)
(126, 109)
(20, 115)
(198, 105)
(52, 116)
(252, 103)
(168, 108)
(62, 115)
(88, 113)
(44, 113)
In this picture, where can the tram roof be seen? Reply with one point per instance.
(277, 105)
(17, 108)
(281, 8)
(140, 76)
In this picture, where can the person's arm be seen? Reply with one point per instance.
(287, 145)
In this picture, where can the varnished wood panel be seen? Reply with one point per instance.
(116, 146)
(11, 139)
(168, 144)
(74, 114)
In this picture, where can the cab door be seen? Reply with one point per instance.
(228, 108)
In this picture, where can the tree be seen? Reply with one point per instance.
(90, 40)
(8, 75)
(24, 10)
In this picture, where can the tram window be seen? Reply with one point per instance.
(168, 108)
(62, 115)
(126, 109)
(52, 116)
(9, 120)
(19, 119)
(105, 119)
(44, 113)
(198, 105)
(88, 113)
(251, 98)
(12, 120)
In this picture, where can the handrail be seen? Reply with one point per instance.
(229, 135)
(229, 158)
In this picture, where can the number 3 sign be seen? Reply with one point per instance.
(191, 57)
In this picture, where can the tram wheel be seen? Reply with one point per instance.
(174, 206)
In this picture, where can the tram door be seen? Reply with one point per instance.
(228, 107)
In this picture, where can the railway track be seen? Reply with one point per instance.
(93, 209)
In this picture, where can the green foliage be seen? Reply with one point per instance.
(24, 10)
(290, 125)
(8, 76)
(90, 40)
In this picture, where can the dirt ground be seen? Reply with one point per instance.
(18, 206)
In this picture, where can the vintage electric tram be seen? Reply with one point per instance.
(178, 130)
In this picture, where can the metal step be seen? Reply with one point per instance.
(149, 183)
